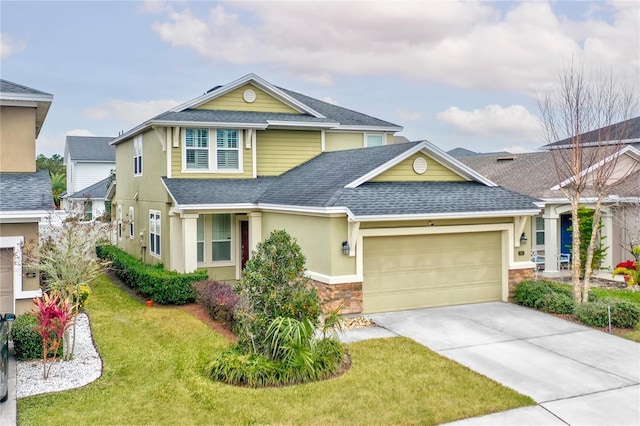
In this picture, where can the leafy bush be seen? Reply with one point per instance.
(533, 293)
(557, 303)
(623, 314)
(27, 343)
(218, 298)
(273, 285)
(154, 282)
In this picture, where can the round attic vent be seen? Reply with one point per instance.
(420, 165)
(249, 96)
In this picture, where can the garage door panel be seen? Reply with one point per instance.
(406, 272)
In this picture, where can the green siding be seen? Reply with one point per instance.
(404, 172)
(282, 150)
(233, 101)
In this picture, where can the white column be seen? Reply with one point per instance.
(255, 230)
(175, 243)
(607, 231)
(190, 242)
(551, 237)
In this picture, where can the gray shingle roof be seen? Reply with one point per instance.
(91, 148)
(245, 117)
(625, 130)
(25, 191)
(10, 87)
(321, 181)
(96, 191)
(217, 191)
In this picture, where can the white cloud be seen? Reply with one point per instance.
(493, 121)
(9, 46)
(54, 144)
(407, 115)
(467, 44)
(129, 113)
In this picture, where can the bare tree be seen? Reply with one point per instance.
(582, 112)
(627, 217)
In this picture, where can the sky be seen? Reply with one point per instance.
(459, 74)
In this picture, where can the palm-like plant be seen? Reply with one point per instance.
(58, 187)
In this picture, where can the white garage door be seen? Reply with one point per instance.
(417, 271)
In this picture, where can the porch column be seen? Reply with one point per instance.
(189, 253)
(175, 243)
(551, 243)
(607, 230)
(255, 230)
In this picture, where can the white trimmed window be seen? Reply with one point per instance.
(212, 150)
(214, 239)
(131, 230)
(154, 232)
(119, 222)
(540, 231)
(137, 156)
(373, 139)
(197, 148)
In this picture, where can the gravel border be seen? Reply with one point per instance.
(84, 368)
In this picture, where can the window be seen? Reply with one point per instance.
(214, 239)
(137, 156)
(227, 149)
(220, 237)
(539, 231)
(131, 230)
(197, 148)
(154, 232)
(373, 140)
(119, 222)
(88, 210)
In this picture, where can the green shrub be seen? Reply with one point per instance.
(623, 314)
(557, 303)
(218, 299)
(27, 343)
(154, 282)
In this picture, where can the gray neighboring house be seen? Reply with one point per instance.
(89, 161)
(534, 174)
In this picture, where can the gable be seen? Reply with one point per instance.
(234, 101)
(404, 171)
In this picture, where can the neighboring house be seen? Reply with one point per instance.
(25, 194)
(89, 161)
(534, 174)
(383, 226)
(463, 152)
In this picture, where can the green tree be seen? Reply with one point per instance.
(54, 163)
(585, 228)
(58, 187)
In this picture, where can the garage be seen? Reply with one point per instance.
(6, 280)
(417, 271)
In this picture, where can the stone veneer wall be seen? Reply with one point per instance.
(517, 276)
(349, 295)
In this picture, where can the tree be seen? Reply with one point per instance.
(54, 163)
(58, 187)
(583, 104)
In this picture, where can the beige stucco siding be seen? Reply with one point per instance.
(234, 101)
(17, 139)
(404, 172)
(281, 150)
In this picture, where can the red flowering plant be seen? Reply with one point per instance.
(55, 316)
(628, 268)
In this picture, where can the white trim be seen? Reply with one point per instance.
(19, 103)
(17, 216)
(212, 151)
(306, 124)
(365, 136)
(391, 129)
(323, 140)
(449, 215)
(16, 243)
(33, 97)
(522, 265)
(590, 144)
(333, 279)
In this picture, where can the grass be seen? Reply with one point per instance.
(154, 373)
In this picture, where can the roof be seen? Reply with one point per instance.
(25, 191)
(14, 94)
(90, 148)
(97, 191)
(463, 152)
(532, 173)
(312, 113)
(627, 131)
(326, 182)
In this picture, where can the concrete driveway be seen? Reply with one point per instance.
(577, 375)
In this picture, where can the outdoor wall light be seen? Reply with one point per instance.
(345, 248)
(523, 238)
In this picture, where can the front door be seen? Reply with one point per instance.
(244, 248)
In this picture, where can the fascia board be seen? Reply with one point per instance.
(591, 144)
(445, 215)
(30, 97)
(304, 209)
(217, 207)
(259, 126)
(17, 216)
(301, 124)
(350, 127)
(19, 103)
(259, 82)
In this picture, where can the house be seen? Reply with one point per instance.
(383, 226)
(534, 174)
(25, 194)
(89, 161)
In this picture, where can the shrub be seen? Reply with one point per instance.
(218, 298)
(27, 343)
(557, 303)
(153, 281)
(236, 367)
(623, 314)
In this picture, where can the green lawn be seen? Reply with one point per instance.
(155, 373)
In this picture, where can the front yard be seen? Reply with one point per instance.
(154, 373)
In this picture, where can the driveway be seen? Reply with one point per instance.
(577, 375)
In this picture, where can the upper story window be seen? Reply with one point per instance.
(137, 156)
(373, 139)
(201, 155)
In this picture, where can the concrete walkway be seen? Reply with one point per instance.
(8, 409)
(577, 375)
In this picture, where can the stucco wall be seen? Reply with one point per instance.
(17, 139)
